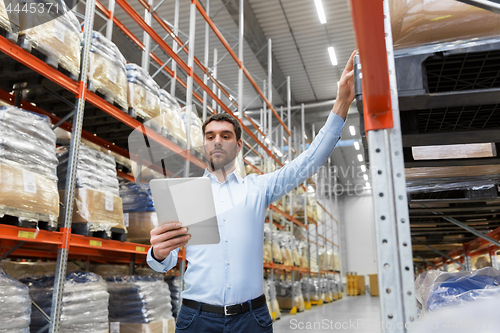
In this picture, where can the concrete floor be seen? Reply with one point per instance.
(359, 313)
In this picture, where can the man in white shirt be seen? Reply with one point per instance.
(224, 289)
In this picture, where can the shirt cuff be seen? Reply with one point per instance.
(334, 124)
(154, 263)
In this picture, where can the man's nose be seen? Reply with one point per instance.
(218, 139)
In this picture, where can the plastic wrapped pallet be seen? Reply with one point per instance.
(284, 295)
(311, 286)
(15, 305)
(277, 254)
(139, 226)
(84, 302)
(196, 133)
(171, 117)
(273, 302)
(107, 270)
(138, 299)
(420, 22)
(96, 201)
(143, 94)
(436, 290)
(19, 270)
(173, 284)
(28, 165)
(107, 73)
(56, 36)
(9, 20)
(136, 198)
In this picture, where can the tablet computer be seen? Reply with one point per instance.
(189, 201)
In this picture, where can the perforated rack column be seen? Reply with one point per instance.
(373, 34)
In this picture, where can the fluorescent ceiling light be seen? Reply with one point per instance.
(356, 145)
(321, 11)
(443, 152)
(365, 176)
(333, 57)
(360, 157)
(367, 185)
(363, 168)
(352, 130)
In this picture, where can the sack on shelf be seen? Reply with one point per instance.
(84, 302)
(19, 270)
(57, 37)
(15, 313)
(143, 95)
(273, 304)
(107, 72)
(268, 257)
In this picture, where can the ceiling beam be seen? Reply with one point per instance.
(255, 38)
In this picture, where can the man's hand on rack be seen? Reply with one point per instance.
(166, 238)
(345, 93)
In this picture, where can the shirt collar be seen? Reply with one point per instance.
(232, 176)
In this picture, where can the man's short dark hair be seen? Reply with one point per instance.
(224, 117)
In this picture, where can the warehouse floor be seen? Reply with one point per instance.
(360, 314)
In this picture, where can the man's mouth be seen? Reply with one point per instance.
(217, 152)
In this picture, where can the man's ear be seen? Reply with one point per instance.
(239, 145)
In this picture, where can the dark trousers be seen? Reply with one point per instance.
(197, 321)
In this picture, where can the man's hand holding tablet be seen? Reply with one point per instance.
(166, 238)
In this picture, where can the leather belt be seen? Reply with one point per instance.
(227, 310)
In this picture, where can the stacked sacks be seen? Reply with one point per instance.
(9, 20)
(272, 301)
(311, 287)
(140, 216)
(107, 72)
(138, 300)
(84, 302)
(56, 36)
(97, 206)
(173, 126)
(284, 295)
(196, 134)
(15, 305)
(268, 256)
(144, 97)
(173, 284)
(28, 180)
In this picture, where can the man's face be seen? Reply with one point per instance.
(220, 145)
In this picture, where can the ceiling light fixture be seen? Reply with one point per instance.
(365, 176)
(321, 11)
(356, 145)
(333, 57)
(367, 185)
(360, 157)
(352, 130)
(363, 168)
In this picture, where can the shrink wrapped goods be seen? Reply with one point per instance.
(84, 302)
(9, 20)
(311, 286)
(15, 305)
(107, 72)
(106, 270)
(173, 283)
(96, 195)
(419, 22)
(138, 299)
(284, 295)
(273, 304)
(56, 36)
(143, 95)
(436, 290)
(28, 165)
(140, 216)
(277, 254)
(172, 123)
(268, 256)
(196, 133)
(19, 270)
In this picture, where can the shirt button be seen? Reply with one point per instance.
(226, 240)
(228, 287)
(227, 262)
(224, 219)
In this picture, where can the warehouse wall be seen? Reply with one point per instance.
(358, 234)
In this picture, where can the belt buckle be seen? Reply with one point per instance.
(226, 310)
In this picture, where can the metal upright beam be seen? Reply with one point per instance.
(147, 39)
(493, 257)
(67, 212)
(109, 24)
(174, 48)
(214, 85)
(371, 20)
(240, 56)
(206, 58)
